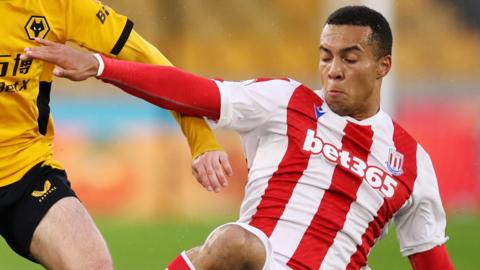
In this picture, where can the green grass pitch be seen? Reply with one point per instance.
(153, 245)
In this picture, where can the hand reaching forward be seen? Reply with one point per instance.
(70, 63)
(211, 170)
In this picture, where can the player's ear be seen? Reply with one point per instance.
(384, 66)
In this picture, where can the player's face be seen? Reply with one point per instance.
(351, 71)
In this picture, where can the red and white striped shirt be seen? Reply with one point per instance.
(323, 188)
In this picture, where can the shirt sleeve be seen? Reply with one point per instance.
(250, 104)
(421, 223)
(93, 25)
(137, 49)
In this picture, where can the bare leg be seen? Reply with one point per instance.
(232, 248)
(67, 238)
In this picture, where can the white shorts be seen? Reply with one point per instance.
(269, 261)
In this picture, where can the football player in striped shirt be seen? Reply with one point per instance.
(42, 219)
(328, 169)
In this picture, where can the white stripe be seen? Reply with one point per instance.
(101, 64)
(187, 260)
(361, 213)
(297, 217)
(264, 149)
(365, 208)
(264, 162)
(307, 195)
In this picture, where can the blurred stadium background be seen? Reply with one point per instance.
(130, 164)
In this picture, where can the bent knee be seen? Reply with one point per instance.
(233, 247)
(235, 238)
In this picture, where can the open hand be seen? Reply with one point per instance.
(70, 63)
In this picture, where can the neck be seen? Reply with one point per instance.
(371, 105)
(365, 114)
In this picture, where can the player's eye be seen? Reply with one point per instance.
(325, 58)
(350, 60)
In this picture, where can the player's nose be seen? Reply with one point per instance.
(335, 70)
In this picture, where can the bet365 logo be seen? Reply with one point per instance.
(37, 27)
(375, 176)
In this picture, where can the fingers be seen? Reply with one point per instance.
(59, 72)
(49, 51)
(25, 56)
(45, 42)
(219, 170)
(226, 164)
(37, 52)
(211, 170)
(73, 75)
(200, 174)
(68, 74)
(213, 178)
(48, 54)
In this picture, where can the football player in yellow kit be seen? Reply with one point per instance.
(42, 219)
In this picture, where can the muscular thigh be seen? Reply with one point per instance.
(67, 238)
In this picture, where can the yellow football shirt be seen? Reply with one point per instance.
(26, 126)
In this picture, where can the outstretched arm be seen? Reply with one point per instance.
(105, 31)
(163, 86)
(435, 258)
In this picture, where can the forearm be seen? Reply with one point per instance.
(166, 87)
(435, 258)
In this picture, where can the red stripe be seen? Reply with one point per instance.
(335, 204)
(178, 264)
(435, 258)
(300, 117)
(406, 145)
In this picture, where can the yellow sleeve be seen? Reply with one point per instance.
(99, 28)
(199, 135)
(95, 26)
